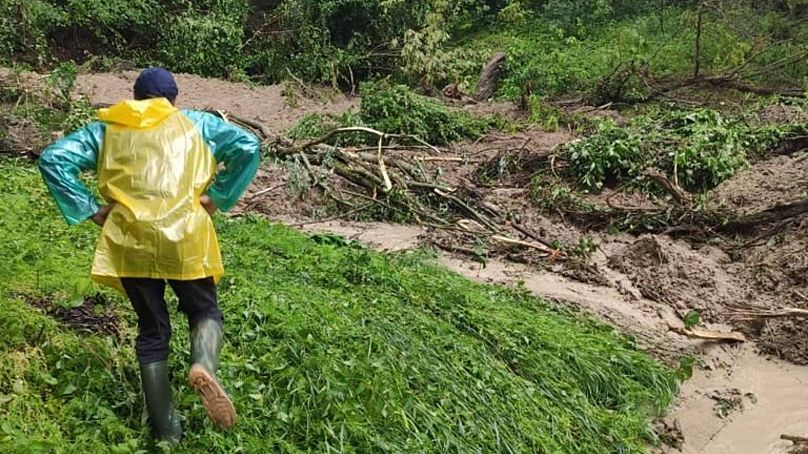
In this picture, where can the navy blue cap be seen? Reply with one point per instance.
(156, 83)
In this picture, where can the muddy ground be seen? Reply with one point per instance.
(742, 397)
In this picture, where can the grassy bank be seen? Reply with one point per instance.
(331, 348)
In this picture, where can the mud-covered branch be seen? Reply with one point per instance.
(397, 182)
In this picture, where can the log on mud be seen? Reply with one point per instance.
(794, 439)
(792, 145)
(771, 215)
(708, 335)
(489, 78)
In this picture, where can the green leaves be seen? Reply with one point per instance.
(398, 110)
(698, 149)
(685, 370)
(692, 319)
(395, 109)
(210, 45)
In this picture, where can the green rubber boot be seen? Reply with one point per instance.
(206, 342)
(163, 419)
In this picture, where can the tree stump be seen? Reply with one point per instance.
(489, 78)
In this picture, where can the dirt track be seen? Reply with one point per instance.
(644, 286)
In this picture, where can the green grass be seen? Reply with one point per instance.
(330, 347)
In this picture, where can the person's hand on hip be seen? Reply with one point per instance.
(100, 217)
(208, 204)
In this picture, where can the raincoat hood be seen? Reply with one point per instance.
(138, 114)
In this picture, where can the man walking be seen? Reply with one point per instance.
(157, 170)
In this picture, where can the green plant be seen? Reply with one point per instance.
(24, 29)
(548, 117)
(714, 150)
(586, 246)
(685, 371)
(209, 45)
(329, 346)
(313, 126)
(61, 81)
(692, 319)
(559, 46)
(612, 155)
(697, 149)
(77, 112)
(316, 126)
(426, 58)
(32, 30)
(397, 109)
(80, 113)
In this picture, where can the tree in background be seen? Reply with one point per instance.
(421, 42)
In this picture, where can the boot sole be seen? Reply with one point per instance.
(217, 403)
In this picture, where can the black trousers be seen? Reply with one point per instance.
(197, 301)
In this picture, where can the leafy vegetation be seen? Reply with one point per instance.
(29, 119)
(556, 59)
(695, 150)
(699, 149)
(330, 347)
(398, 110)
(314, 126)
(556, 46)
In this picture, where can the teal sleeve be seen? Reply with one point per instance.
(61, 165)
(234, 147)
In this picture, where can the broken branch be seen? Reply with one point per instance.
(528, 244)
(704, 334)
(681, 196)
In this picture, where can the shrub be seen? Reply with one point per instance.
(209, 45)
(612, 154)
(699, 149)
(397, 109)
(24, 28)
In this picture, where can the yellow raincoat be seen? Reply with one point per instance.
(154, 162)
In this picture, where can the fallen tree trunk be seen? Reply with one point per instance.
(794, 439)
(774, 214)
(489, 78)
(792, 145)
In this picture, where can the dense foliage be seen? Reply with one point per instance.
(698, 149)
(555, 45)
(398, 110)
